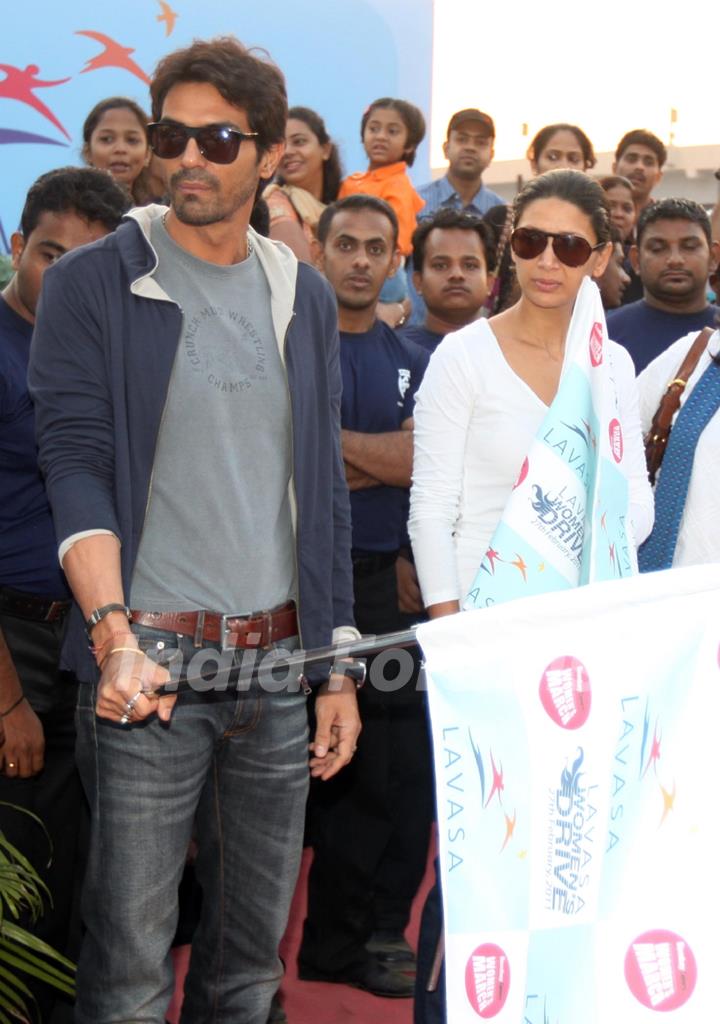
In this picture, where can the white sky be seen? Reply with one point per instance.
(607, 66)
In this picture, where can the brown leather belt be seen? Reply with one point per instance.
(260, 629)
(30, 606)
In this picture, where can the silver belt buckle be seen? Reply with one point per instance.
(225, 631)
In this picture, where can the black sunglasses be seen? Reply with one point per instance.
(572, 250)
(218, 143)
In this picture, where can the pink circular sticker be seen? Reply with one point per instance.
(660, 970)
(522, 475)
(596, 344)
(565, 692)
(616, 440)
(487, 980)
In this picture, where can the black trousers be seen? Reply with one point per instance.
(369, 826)
(54, 795)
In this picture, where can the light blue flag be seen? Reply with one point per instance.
(573, 737)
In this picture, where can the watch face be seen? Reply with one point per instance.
(357, 672)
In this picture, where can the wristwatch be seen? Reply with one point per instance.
(355, 670)
(98, 614)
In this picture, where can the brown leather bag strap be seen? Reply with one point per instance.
(657, 437)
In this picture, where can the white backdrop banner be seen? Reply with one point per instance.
(577, 799)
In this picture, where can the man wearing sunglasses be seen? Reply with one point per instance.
(187, 381)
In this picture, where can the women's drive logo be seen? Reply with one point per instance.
(616, 440)
(660, 970)
(596, 344)
(487, 980)
(565, 692)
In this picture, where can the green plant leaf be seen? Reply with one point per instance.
(14, 933)
(22, 889)
(31, 964)
(43, 974)
(14, 980)
(11, 1001)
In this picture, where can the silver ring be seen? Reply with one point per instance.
(125, 720)
(133, 700)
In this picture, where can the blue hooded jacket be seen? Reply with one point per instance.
(102, 353)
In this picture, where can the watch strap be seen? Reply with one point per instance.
(98, 614)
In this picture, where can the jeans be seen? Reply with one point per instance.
(231, 768)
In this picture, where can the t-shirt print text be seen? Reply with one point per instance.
(403, 383)
(224, 349)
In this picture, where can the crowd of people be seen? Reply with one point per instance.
(257, 405)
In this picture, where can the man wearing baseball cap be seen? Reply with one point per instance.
(468, 150)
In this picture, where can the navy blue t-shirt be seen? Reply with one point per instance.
(381, 373)
(420, 335)
(646, 332)
(28, 549)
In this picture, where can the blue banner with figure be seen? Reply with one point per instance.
(58, 60)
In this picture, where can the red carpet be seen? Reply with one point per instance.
(309, 1002)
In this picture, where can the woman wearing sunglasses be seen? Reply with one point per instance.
(488, 388)
(483, 398)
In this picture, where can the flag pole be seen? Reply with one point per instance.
(364, 647)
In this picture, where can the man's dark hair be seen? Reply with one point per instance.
(355, 204)
(449, 219)
(642, 137)
(244, 80)
(410, 115)
(91, 194)
(674, 209)
(574, 187)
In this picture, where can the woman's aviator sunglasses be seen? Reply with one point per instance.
(572, 250)
(217, 143)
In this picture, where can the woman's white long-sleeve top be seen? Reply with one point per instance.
(475, 419)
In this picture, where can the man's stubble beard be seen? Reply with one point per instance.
(690, 296)
(468, 175)
(357, 304)
(194, 211)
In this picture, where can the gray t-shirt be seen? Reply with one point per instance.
(218, 532)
